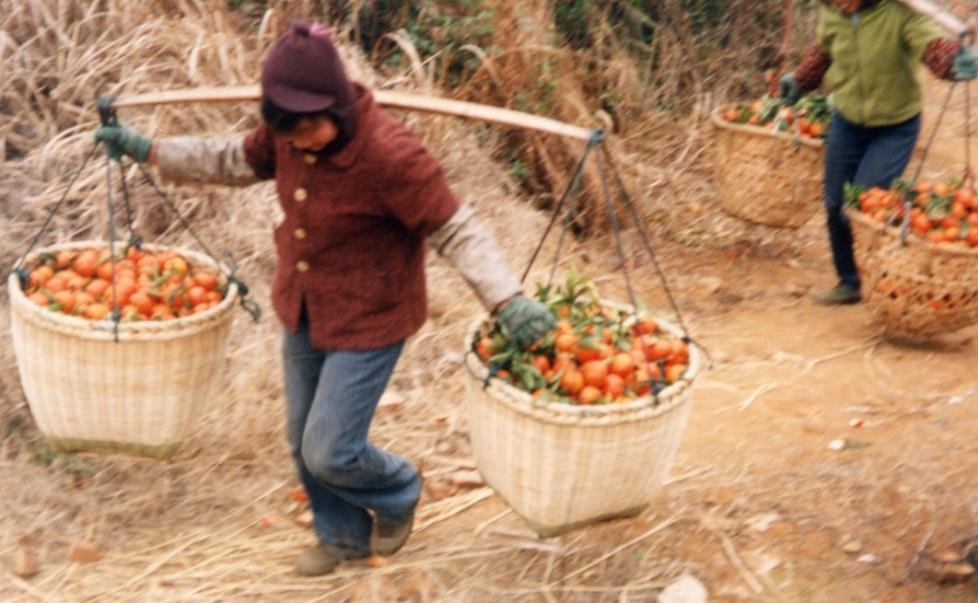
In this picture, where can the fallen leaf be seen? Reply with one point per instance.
(299, 494)
(84, 552)
(269, 521)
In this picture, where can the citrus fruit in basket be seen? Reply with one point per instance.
(143, 285)
(597, 354)
(940, 213)
(808, 117)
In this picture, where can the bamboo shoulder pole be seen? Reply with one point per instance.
(387, 98)
(938, 14)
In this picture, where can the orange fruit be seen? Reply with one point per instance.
(589, 395)
(86, 263)
(542, 363)
(595, 373)
(622, 364)
(614, 386)
(675, 372)
(572, 381)
(41, 275)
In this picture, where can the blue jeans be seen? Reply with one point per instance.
(331, 396)
(863, 156)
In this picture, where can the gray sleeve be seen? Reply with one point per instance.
(467, 244)
(205, 160)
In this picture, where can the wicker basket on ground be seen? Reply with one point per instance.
(139, 395)
(766, 177)
(562, 466)
(916, 290)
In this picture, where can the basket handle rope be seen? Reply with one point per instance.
(250, 306)
(606, 170)
(908, 194)
(20, 269)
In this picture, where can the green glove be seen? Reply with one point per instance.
(120, 140)
(526, 320)
(789, 89)
(965, 64)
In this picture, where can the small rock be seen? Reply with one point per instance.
(304, 519)
(687, 589)
(25, 563)
(795, 289)
(84, 552)
(391, 400)
(762, 522)
(837, 444)
(467, 478)
(710, 284)
(856, 423)
(852, 547)
(793, 263)
(868, 559)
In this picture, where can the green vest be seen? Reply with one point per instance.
(875, 54)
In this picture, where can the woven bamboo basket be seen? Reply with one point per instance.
(766, 177)
(138, 395)
(916, 290)
(562, 466)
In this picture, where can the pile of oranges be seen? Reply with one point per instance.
(808, 117)
(596, 355)
(141, 284)
(941, 213)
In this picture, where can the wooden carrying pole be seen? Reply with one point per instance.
(938, 14)
(387, 98)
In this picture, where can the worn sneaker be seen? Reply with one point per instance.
(321, 559)
(838, 295)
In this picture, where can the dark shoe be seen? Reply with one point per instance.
(321, 559)
(838, 295)
(389, 536)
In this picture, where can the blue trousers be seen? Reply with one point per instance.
(331, 396)
(863, 156)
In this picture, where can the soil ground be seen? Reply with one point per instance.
(758, 508)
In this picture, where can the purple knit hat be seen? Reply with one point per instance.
(303, 73)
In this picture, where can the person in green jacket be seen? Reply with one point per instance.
(868, 53)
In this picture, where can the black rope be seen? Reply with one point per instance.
(116, 315)
(630, 204)
(596, 137)
(19, 269)
(615, 229)
(969, 174)
(134, 239)
(908, 194)
(249, 306)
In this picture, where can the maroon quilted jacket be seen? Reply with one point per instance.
(351, 246)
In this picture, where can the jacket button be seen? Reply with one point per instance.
(300, 194)
(302, 266)
(309, 158)
(300, 233)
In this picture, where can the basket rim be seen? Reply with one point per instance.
(913, 241)
(145, 330)
(718, 121)
(640, 408)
